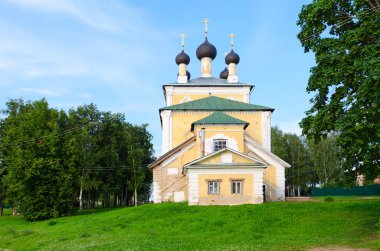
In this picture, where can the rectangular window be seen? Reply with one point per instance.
(219, 144)
(236, 187)
(213, 187)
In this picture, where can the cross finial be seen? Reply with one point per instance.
(232, 40)
(206, 21)
(183, 40)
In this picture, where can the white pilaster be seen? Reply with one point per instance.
(156, 193)
(169, 95)
(266, 130)
(258, 187)
(280, 182)
(247, 95)
(193, 188)
(166, 117)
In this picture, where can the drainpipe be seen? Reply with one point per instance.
(202, 135)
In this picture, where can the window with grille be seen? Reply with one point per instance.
(236, 187)
(213, 187)
(219, 144)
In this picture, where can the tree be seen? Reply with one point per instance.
(140, 151)
(85, 120)
(53, 158)
(326, 164)
(2, 186)
(299, 173)
(293, 150)
(345, 38)
(40, 179)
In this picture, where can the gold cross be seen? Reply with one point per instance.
(183, 40)
(232, 40)
(206, 21)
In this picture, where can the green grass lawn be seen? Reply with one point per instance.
(172, 226)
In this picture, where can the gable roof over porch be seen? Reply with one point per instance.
(211, 161)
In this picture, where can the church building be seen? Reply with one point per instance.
(216, 144)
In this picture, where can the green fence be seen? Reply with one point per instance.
(353, 191)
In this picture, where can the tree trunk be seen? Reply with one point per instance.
(81, 196)
(135, 197)
(1, 210)
(293, 191)
(299, 191)
(121, 201)
(88, 200)
(126, 196)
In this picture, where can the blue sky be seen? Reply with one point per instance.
(117, 54)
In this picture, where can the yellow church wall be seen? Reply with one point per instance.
(254, 129)
(184, 158)
(225, 196)
(270, 175)
(182, 98)
(182, 123)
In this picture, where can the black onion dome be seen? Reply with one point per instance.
(224, 74)
(182, 58)
(206, 50)
(232, 57)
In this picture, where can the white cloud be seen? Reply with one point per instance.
(44, 92)
(103, 15)
(94, 19)
(31, 55)
(84, 96)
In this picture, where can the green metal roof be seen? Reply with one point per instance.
(214, 103)
(218, 118)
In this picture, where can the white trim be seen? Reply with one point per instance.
(264, 153)
(265, 130)
(230, 89)
(209, 142)
(218, 130)
(220, 151)
(211, 112)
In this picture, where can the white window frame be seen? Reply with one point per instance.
(213, 187)
(236, 187)
(219, 144)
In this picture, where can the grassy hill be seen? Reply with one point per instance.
(172, 226)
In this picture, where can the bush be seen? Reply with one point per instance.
(329, 199)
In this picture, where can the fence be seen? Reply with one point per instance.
(353, 191)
